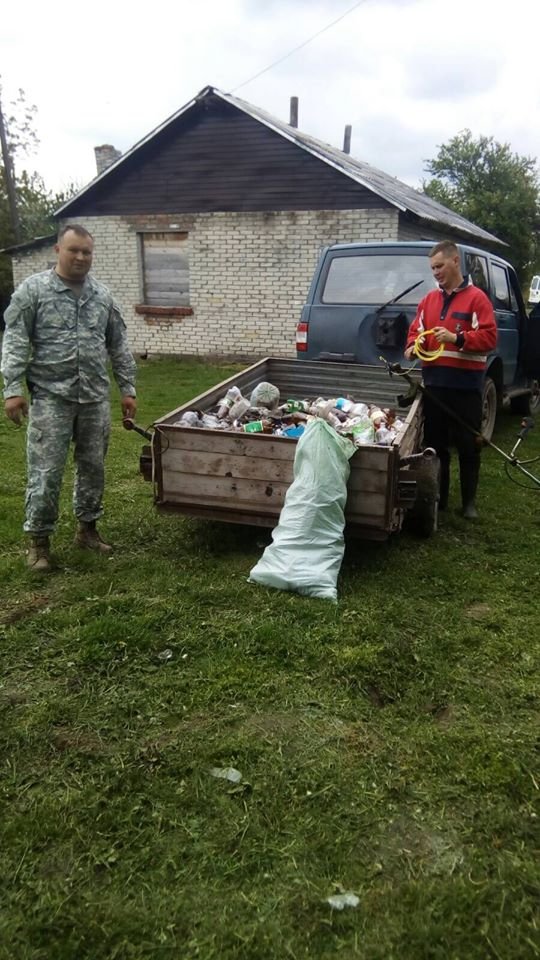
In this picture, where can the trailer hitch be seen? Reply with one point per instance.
(129, 424)
(146, 467)
(416, 458)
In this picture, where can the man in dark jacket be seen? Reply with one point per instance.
(458, 318)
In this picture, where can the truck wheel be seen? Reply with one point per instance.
(423, 515)
(528, 404)
(489, 408)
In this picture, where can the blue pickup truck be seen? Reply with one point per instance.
(363, 297)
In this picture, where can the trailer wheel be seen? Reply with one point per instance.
(423, 515)
(528, 404)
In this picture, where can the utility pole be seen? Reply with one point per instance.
(10, 179)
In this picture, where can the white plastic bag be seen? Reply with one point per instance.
(308, 544)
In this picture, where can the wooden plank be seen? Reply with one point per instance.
(259, 468)
(259, 493)
(225, 465)
(369, 512)
(161, 297)
(368, 481)
(180, 501)
(227, 443)
(221, 513)
(239, 444)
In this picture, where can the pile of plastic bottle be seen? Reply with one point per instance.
(263, 413)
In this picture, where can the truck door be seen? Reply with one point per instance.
(508, 321)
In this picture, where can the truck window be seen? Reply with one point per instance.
(500, 287)
(476, 268)
(377, 279)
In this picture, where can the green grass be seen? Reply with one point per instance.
(386, 743)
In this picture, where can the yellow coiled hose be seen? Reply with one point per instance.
(426, 355)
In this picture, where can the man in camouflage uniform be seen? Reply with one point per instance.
(61, 328)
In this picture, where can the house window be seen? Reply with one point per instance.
(165, 264)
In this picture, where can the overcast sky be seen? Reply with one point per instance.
(406, 74)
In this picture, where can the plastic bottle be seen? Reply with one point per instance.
(363, 432)
(210, 422)
(293, 432)
(296, 406)
(384, 435)
(239, 408)
(233, 394)
(322, 408)
(377, 417)
(358, 410)
(258, 426)
(189, 419)
(342, 403)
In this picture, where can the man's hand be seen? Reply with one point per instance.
(409, 353)
(129, 407)
(442, 335)
(16, 409)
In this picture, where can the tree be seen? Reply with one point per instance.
(35, 204)
(493, 187)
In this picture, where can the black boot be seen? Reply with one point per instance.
(468, 474)
(444, 481)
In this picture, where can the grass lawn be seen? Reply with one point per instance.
(386, 743)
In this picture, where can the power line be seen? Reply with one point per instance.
(300, 46)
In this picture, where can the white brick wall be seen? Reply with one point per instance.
(249, 274)
(24, 264)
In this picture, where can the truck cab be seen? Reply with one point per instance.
(364, 296)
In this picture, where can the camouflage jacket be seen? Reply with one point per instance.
(60, 344)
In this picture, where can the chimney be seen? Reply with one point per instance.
(293, 122)
(105, 155)
(347, 139)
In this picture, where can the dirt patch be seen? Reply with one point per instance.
(290, 726)
(21, 609)
(77, 741)
(443, 713)
(418, 847)
(478, 611)
(292, 730)
(12, 698)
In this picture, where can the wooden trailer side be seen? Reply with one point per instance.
(243, 478)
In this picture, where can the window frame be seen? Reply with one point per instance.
(160, 309)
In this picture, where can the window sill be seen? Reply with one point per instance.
(146, 310)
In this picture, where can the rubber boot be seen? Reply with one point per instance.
(88, 538)
(38, 558)
(468, 475)
(444, 482)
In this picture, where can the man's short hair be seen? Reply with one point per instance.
(447, 247)
(76, 228)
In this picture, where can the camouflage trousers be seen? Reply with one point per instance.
(53, 423)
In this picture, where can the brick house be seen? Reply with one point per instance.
(208, 230)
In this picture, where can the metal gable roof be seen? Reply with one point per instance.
(399, 194)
